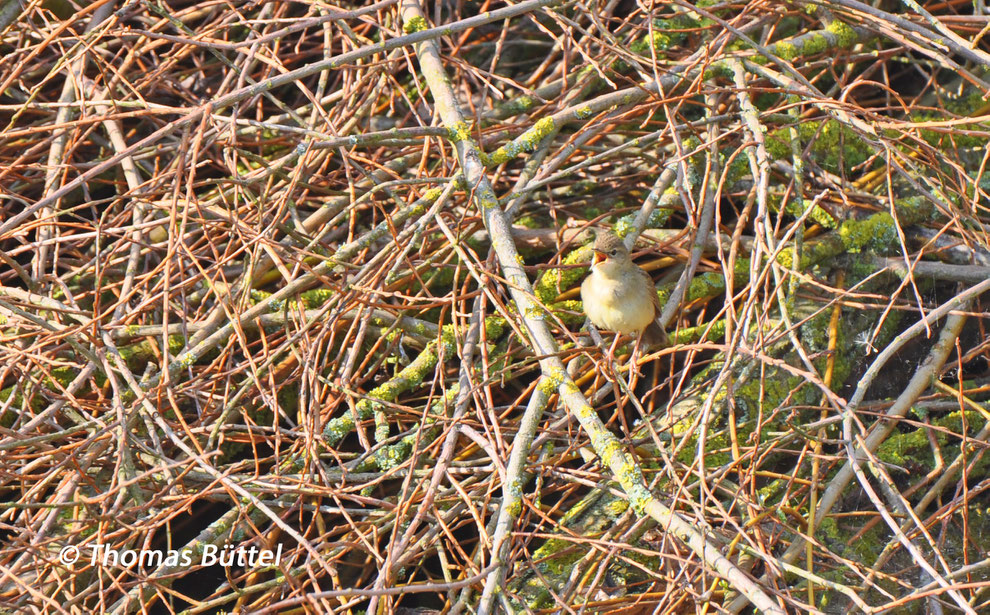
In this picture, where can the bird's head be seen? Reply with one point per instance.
(609, 252)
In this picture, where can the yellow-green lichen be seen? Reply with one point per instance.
(658, 217)
(815, 43)
(494, 327)
(569, 388)
(526, 142)
(836, 147)
(915, 447)
(835, 35)
(315, 298)
(554, 281)
(547, 386)
(459, 132)
(583, 413)
(257, 296)
(535, 312)
(488, 203)
(556, 558)
(845, 36)
(515, 508)
(432, 194)
(410, 377)
(785, 50)
(616, 508)
(961, 136)
(414, 24)
(517, 105)
(876, 232)
(570, 312)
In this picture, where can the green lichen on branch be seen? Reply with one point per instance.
(555, 281)
(659, 217)
(707, 285)
(415, 24)
(845, 35)
(138, 354)
(570, 312)
(392, 455)
(410, 377)
(836, 35)
(876, 233)
(307, 300)
(135, 355)
(913, 448)
(555, 559)
(833, 146)
(517, 105)
(526, 142)
(459, 132)
(57, 379)
(666, 33)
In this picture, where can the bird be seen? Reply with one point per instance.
(619, 295)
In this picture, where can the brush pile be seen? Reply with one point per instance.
(301, 279)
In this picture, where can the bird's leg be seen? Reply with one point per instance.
(634, 357)
(611, 349)
(611, 354)
(596, 337)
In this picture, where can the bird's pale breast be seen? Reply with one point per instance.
(617, 306)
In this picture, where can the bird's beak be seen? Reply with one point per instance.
(599, 257)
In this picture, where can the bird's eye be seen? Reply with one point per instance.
(614, 252)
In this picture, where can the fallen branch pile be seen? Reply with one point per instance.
(303, 279)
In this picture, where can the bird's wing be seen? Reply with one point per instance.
(657, 307)
(654, 334)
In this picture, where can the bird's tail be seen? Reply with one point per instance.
(654, 335)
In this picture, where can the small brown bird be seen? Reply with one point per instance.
(619, 295)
